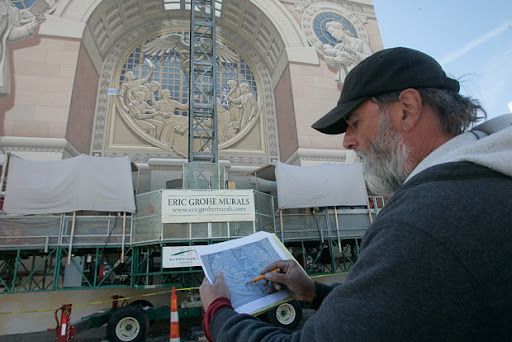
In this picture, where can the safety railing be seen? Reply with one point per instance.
(45, 231)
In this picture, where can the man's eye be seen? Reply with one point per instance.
(354, 124)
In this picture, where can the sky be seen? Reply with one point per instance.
(471, 39)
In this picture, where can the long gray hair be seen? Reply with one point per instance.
(456, 112)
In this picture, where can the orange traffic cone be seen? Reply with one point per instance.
(175, 320)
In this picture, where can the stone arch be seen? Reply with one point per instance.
(105, 122)
(266, 23)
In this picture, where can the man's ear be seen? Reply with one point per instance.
(411, 106)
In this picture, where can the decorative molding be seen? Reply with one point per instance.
(362, 8)
(43, 145)
(176, 164)
(362, 18)
(300, 7)
(283, 21)
(317, 156)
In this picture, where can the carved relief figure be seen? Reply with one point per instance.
(15, 25)
(233, 94)
(149, 91)
(168, 105)
(144, 115)
(156, 118)
(173, 124)
(130, 82)
(242, 108)
(227, 127)
(247, 104)
(347, 54)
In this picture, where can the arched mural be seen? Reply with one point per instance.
(153, 88)
(147, 105)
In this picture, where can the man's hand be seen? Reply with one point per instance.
(211, 292)
(292, 278)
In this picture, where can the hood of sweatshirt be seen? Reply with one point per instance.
(488, 144)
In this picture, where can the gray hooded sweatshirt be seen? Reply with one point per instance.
(488, 144)
(436, 264)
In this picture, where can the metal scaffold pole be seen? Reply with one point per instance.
(203, 144)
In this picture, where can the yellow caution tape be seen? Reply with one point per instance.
(132, 297)
(102, 302)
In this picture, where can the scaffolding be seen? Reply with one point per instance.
(34, 249)
(203, 144)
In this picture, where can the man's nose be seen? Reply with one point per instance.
(349, 140)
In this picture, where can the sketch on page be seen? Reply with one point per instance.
(241, 260)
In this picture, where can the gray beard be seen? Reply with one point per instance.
(386, 164)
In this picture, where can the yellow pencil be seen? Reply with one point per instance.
(261, 277)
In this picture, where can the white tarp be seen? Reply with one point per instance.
(80, 183)
(320, 186)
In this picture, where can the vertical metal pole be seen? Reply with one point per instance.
(369, 210)
(58, 265)
(135, 260)
(282, 229)
(333, 259)
(137, 182)
(71, 237)
(96, 267)
(15, 276)
(122, 243)
(304, 258)
(44, 272)
(337, 228)
(32, 272)
(4, 171)
(273, 215)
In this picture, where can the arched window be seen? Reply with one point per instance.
(171, 68)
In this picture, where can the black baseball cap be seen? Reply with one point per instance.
(383, 72)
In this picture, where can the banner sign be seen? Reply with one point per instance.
(186, 206)
(181, 256)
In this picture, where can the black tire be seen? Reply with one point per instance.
(286, 315)
(142, 303)
(128, 324)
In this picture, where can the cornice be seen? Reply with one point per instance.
(317, 156)
(32, 144)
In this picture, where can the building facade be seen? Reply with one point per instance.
(109, 78)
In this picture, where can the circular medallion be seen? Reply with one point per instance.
(316, 17)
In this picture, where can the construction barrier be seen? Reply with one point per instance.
(174, 335)
(114, 299)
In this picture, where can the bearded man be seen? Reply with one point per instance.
(435, 264)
